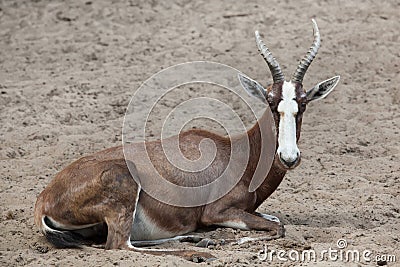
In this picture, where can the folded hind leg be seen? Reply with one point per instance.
(119, 226)
(122, 195)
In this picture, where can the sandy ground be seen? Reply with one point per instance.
(68, 70)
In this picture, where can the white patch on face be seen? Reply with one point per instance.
(288, 108)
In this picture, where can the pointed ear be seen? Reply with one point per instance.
(322, 89)
(253, 88)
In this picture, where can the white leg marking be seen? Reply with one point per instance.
(61, 226)
(270, 217)
(129, 243)
(46, 228)
(250, 239)
(163, 240)
(235, 225)
(136, 202)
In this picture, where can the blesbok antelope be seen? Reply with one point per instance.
(96, 199)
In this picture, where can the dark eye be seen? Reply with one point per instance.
(270, 102)
(271, 106)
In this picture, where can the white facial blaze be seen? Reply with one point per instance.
(288, 109)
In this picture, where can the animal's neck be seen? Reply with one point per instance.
(275, 174)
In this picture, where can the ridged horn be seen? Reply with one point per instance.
(273, 65)
(308, 58)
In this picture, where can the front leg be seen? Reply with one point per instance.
(240, 219)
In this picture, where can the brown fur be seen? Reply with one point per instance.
(100, 189)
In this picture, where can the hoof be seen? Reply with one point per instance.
(281, 231)
(205, 243)
(199, 257)
(191, 239)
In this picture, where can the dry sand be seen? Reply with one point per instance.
(68, 70)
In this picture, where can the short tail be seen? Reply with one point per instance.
(61, 238)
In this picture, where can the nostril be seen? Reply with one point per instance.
(289, 162)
